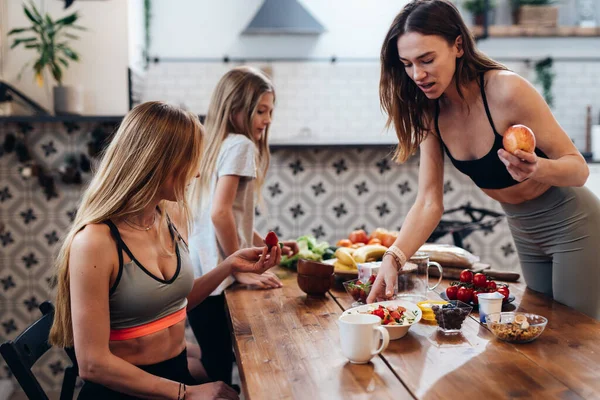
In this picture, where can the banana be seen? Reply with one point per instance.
(370, 252)
(344, 256)
(338, 266)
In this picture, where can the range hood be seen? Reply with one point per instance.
(276, 17)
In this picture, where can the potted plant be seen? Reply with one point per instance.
(50, 39)
(535, 13)
(477, 9)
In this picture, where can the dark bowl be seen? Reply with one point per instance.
(314, 268)
(314, 285)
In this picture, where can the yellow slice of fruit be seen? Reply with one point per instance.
(520, 318)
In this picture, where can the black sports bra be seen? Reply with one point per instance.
(488, 172)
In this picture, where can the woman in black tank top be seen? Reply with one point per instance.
(442, 95)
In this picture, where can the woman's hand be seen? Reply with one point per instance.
(254, 259)
(266, 280)
(213, 390)
(384, 286)
(290, 248)
(522, 165)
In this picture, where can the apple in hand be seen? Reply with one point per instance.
(519, 137)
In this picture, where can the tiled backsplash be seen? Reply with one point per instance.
(337, 103)
(326, 192)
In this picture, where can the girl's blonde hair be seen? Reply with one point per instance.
(238, 91)
(155, 142)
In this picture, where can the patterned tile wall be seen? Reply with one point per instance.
(321, 191)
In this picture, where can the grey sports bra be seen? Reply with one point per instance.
(138, 297)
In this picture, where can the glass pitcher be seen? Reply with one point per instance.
(413, 278)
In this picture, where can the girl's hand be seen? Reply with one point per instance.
(254, 259)
(385, 284)
(290, 248)
(266, 280)
(213, 390)
(522, 165)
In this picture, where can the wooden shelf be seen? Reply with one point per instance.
(536, 31)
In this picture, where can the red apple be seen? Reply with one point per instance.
(519, 137)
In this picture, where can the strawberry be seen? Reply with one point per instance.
(379, 312)
(271, 240)
(372, 279)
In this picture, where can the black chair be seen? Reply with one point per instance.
(22, 353)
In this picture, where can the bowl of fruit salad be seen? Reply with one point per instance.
(397, 316)
(359, 290)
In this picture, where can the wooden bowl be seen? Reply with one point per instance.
(314, 285)
(314, 268)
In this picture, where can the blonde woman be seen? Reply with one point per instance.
(124, 273)
(237, 132)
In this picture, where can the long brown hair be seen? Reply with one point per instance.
(238, 91)
(406, 105)
(154, 142)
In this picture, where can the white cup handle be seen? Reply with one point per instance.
(385, 338)
(439, 267)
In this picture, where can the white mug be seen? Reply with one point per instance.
(359, 336)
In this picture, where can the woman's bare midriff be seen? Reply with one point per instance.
(153, 348)
(519, 193)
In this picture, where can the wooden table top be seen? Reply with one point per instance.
(287, 346)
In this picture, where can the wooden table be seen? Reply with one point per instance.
(287, 346)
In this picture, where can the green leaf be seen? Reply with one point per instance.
(49, 21)
(81, 28)
(19, 41)
(64, 62)
(68, 20)
(33, 46)
(31, 17)
(56, 72)
(70, 53)
(19, 30)
(71, 36)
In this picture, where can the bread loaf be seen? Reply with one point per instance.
(449, 256)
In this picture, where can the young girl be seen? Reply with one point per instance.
(125, 277)
(443, 95)
(237, 126)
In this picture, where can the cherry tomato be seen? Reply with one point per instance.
(475, 299)
(464, 294)
(504, 291)
(451, 292)
(466, 276)
(479, 280)
(344, 243)
(490, 286)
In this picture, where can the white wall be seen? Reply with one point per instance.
(209, 28)
(355, 28)
(136, 30)
(103, 49)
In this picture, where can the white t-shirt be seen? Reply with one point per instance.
(236, 157)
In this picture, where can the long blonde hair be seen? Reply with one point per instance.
(238, 91)
(154, 142)
(407, 107)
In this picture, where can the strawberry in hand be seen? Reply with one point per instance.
(271, 240)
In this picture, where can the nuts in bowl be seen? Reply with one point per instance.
(516, 327)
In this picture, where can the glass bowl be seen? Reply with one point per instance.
(515, 327)
(451, 316)
(358, 290)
